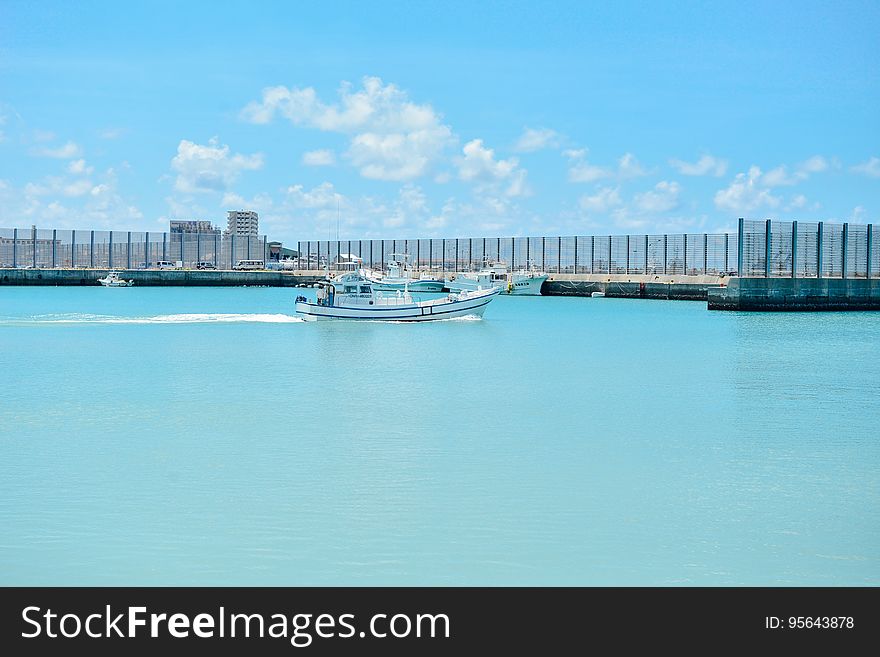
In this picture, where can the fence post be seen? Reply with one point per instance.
(684, 266)
(739, 247)
(767, 235)
(55, 234)
(627, 254)
(593, 254)
(543, 253)
(609, 253)
(820, 237)
(665, 251)
(870, 246)
(559, 256)
(15, 248)
(72, 249)
(844, 254)
(165, 246)
(442, 250)
(34, 245)
(528, 240)
(794, 249)
(705, 253)
(109, 252)
(646, 255)
(232, 251)
(726, 252)
(147, 250)
(456, 254)
(575, 254)
(128, 252)
(92, 250)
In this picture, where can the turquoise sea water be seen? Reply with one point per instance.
(199, 436)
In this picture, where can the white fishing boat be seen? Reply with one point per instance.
(398, 277)
(524, 281)
(356, 299)
(112, 279)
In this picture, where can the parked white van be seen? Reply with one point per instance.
(165, 264)
(249, 264)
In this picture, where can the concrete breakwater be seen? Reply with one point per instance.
(788, 294)
(677, 287)
(159, 277)
(628, 286)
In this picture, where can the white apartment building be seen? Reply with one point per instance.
(242, 222)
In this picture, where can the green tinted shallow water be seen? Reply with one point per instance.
(199, 436)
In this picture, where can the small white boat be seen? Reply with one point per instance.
(398, 278)
(495, 274)
(597, 295)
(357, 300)
(112, 279)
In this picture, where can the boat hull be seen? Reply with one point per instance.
(424, 311)
(519, 285)
(414, 286)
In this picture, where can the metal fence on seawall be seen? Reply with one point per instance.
(691, 254)
(97, 249)
(795, 249)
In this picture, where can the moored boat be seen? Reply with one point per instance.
(524, 281)
(113, 279)
(398, 278)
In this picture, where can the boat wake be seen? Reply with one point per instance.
(185, 318)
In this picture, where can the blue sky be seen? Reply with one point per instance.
(408, 119)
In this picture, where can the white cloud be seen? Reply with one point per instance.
(858, 215)
(536, 139)
(479, 165)
(65, 152)
(86, 203)
(745, 194)
(209, 168)
(582, 171)
(628, 167)
(871, 168)
(392, 137)
(79, 167)
(663, 198)
(111, 133)
(815, 164)
(480, 162)
(319, 158)
(780, 176)
(600, 202)
(707, 165)
(321, 196)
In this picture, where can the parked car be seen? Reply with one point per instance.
(165, 264)
(249, 264)
(206, 264)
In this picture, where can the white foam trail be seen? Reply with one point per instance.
(184, 318)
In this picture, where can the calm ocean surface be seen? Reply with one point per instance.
(200, 436)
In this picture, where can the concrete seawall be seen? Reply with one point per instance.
(792, 294)
(684, 288)
(612, 285)
(157, 277)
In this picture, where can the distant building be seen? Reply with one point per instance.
(242, 222)
(193, 226)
